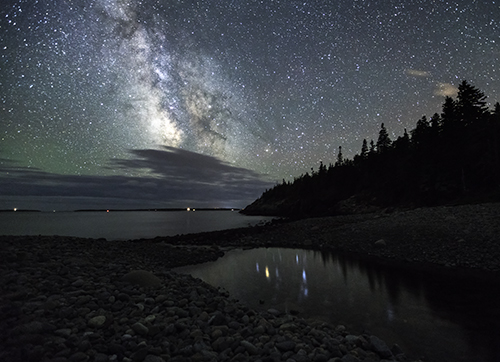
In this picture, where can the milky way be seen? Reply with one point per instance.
(272, 86)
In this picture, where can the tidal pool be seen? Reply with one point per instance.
(430, 314)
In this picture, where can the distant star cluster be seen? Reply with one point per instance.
(271, 86)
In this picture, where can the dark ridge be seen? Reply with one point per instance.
(452, 158)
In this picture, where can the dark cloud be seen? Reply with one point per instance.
(176, 178)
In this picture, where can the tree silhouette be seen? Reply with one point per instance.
(384, 141)
(364, 149)
(340, 158)
(451, 157)
(470, 104)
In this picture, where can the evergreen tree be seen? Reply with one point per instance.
(322, 169)
(364, 149)
(449, 114)
(402, 143)
(384, 142)
(470, 104)
(372, 147)
(496, 112)
(435, 123)
(421, 132)
(340, 158)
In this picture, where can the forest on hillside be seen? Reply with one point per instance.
(452, 157)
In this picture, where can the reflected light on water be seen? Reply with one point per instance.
(390, 313)
(445, 318)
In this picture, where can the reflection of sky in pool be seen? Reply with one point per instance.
(423, 313)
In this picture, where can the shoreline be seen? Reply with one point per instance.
(464, 237)
(64, 299)
(71, 299)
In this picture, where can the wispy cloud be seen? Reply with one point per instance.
(418, 73)
(446, 89)
(175, 178)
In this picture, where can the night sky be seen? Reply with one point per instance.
(109, 101)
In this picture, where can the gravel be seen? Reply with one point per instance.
(459, 237)
(73, 299)
(70, 299)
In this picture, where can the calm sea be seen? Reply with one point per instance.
(122, 225)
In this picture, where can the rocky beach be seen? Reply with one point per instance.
(73, 299)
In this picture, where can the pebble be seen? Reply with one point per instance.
(105, 316)
(97, 321)
(140, 328)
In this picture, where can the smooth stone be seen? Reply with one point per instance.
(63, 332)
(217, 319)
(153, 358)
(259, 330)
(250, 348)
(78, 283)
(79, 356)
(274, 312)
(100, 357)
(97, 321)
(350, 358)
(139, 355)
(352, 339)
(140, 328)
(285, 346)
(380, 347)
(142, 278)
(288, 326)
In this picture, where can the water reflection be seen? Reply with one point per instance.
(439, 316)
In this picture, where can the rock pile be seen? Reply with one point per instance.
(65, 303)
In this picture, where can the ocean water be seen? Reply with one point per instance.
(122, 225)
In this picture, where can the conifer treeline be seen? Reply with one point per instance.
(451, 157)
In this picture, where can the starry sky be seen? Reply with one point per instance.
(99, 96)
